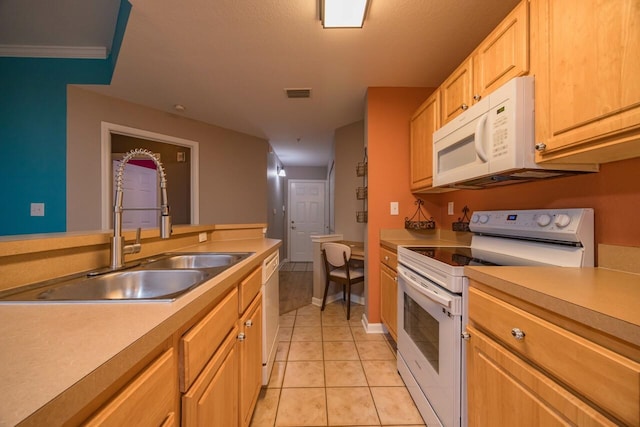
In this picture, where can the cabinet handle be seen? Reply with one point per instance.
(518, 334)
(386, 257)
(541, 146)
(466, 336)
(248, 323)
(464, 107)
(241, 336)
(477, 97)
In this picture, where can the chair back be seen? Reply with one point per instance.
(336, 253)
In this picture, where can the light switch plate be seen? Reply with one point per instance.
(450, 208)
(202, 237)
(394, 208)
(37, 209)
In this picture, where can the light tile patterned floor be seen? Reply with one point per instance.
(329, 372)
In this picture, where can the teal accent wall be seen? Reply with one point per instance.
(33, 133)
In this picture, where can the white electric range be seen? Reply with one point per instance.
(432, 288)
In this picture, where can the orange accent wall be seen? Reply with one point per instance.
(387, 135)
(613, 193)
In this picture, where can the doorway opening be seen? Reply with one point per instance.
(181, 165)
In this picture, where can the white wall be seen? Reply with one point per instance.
(349, 151)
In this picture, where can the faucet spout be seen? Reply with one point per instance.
(118, 248)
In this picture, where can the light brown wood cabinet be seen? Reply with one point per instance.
(457, 91)
(389, 290)
(525, 370)
(423, 123)
(587, 63)
(213, 398)
(250, 350)
(502, 55)
(150, 399)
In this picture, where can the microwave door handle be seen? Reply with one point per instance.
(478, 137)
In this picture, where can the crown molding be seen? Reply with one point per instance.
(67, 52)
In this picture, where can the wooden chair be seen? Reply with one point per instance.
(335, 257)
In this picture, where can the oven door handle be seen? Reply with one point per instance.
(434, 296)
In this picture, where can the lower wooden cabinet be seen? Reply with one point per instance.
(150, 399)
(213, 398)
(389, 291)
(523, 369)
(250, 351)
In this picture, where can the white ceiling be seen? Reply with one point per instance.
(229, 61)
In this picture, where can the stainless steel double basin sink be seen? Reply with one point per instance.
(160, 278)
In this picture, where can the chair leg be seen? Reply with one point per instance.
(348, 301)
(344, 293)
(324, 298)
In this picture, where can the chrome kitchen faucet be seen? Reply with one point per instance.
(118, 248)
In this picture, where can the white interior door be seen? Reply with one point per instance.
(140, 190)
(306, 217)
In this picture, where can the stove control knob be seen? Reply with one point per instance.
(543, 220)
(475, 218)
(484, 219)
(562, 220)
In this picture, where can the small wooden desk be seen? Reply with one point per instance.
(357, 249)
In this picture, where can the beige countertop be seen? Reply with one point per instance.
(606, 300)
(57, 356)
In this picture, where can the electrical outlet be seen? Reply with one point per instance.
(394, 208)
(202, 237)
(37, 209)
(450, 208)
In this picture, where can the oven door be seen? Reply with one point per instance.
(429, 343)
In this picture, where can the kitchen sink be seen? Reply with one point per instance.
(119, 286)
(196, 260)
(162, 277)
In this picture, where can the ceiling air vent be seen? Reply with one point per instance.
(298, 93)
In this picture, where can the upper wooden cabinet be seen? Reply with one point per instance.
(502, 55)
(586, 55)
(457, 91)
(423, 123)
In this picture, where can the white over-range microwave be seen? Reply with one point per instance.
(492, 143)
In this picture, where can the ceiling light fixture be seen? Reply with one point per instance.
(281, 171)
(179, 108)
(343, 13)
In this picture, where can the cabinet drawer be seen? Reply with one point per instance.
(201, 341)
(149, 400)
(389, 258)
(249, 288)
(608, 379)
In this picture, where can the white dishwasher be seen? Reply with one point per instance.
(270, 313)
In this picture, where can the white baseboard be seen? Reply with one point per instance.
(372, 328)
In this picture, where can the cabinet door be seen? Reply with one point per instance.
(457, 91)
(423, 123)
(587, 85)
(151, 399)
(503, 390)
(213, 398)
(250, 359)
(389, 299)
(504, 54)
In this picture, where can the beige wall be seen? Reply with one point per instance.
(349, 150)
(233, 166)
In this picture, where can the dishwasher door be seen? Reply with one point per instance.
(270, 313)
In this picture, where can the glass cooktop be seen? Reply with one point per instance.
(456, 256)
